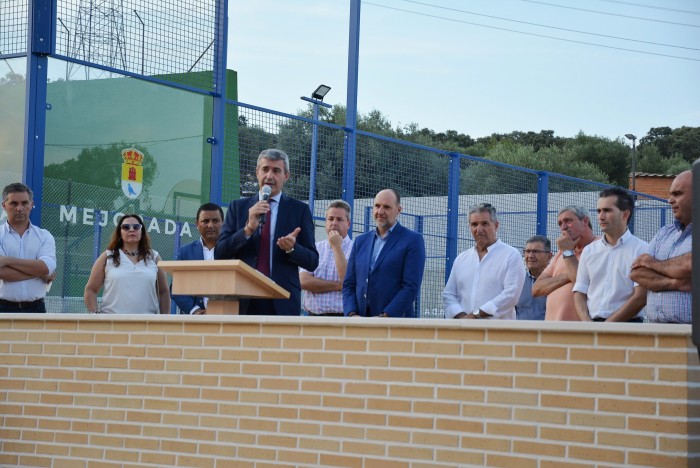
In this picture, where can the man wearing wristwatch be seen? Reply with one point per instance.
(273, 233)
(558, 279)
(486, 280)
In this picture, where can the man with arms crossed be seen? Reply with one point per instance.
(323, 287)
(557, 280)
(486, 280)
(209, 219)
(603, 291)
(385, 269)
(27, 254)
(665, 268)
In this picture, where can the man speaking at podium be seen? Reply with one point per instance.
(272, 233)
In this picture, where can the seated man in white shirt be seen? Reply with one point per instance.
(604, 291)
(209, 219)
(486, 280)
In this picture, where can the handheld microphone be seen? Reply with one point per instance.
(266, 191)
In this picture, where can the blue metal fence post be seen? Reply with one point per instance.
(419, 227)
(314, 150)
(542, 202)
(219, 106)
(41, 43)
(452, 214)
(351, 105)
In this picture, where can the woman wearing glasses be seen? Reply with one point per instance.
(128, 271)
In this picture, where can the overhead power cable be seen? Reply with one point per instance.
(552, 27)
(612, 14)
(533, 34)
(652, 7)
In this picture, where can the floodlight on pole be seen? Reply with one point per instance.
(320, 92)
(316, 100)
(630, 136)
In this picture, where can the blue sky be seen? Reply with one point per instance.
(450, 73)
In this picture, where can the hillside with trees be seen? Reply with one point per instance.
(381, 163)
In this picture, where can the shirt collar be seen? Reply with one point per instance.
(201, 241)
(623, 238)
(391, 229)
(679, 227)
(10, 229)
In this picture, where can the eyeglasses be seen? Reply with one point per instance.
(534, 251)
(129, 227)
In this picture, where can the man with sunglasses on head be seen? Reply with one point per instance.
(537, 254)
(27, 254)
(486, 280)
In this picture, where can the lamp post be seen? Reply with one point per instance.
(317, 100)
(634, 160)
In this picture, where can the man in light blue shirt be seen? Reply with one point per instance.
(27, 254)
(665, 269)
(537, 254)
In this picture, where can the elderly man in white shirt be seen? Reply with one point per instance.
(486, 280)
(604, 291)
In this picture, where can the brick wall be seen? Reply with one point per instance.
(98, 391)
(657, 185)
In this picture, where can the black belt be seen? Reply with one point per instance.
(23, 304)
(632, 320)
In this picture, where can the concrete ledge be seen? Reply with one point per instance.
(210, 391)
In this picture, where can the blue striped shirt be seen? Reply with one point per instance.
(670, 306)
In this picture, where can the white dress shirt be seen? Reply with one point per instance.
(208, 255)
(604, 273)
(35, 243)
(491, 284)
(272, 219)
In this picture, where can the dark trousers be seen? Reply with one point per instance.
(35, 307)
(261, 307)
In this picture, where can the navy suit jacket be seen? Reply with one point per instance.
(393, 285)
(191, 251)
(291, 214)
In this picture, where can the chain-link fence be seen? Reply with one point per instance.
(422, 176)
(165, 38)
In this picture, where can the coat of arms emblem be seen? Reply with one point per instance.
(132, 172)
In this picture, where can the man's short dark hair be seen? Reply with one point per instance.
(624, 202)
(538, 238)
(210, 207)
(17, 187)
(340, 204)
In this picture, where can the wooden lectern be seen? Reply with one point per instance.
(222, 281)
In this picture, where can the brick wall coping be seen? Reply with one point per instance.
(574, 327)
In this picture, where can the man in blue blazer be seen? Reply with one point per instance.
(209, 218)
(289, 239)
(385, 269)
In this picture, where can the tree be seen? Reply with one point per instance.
(610, 156)
(11, 79)
(99, 167)
(102, 166)
(478, 178)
